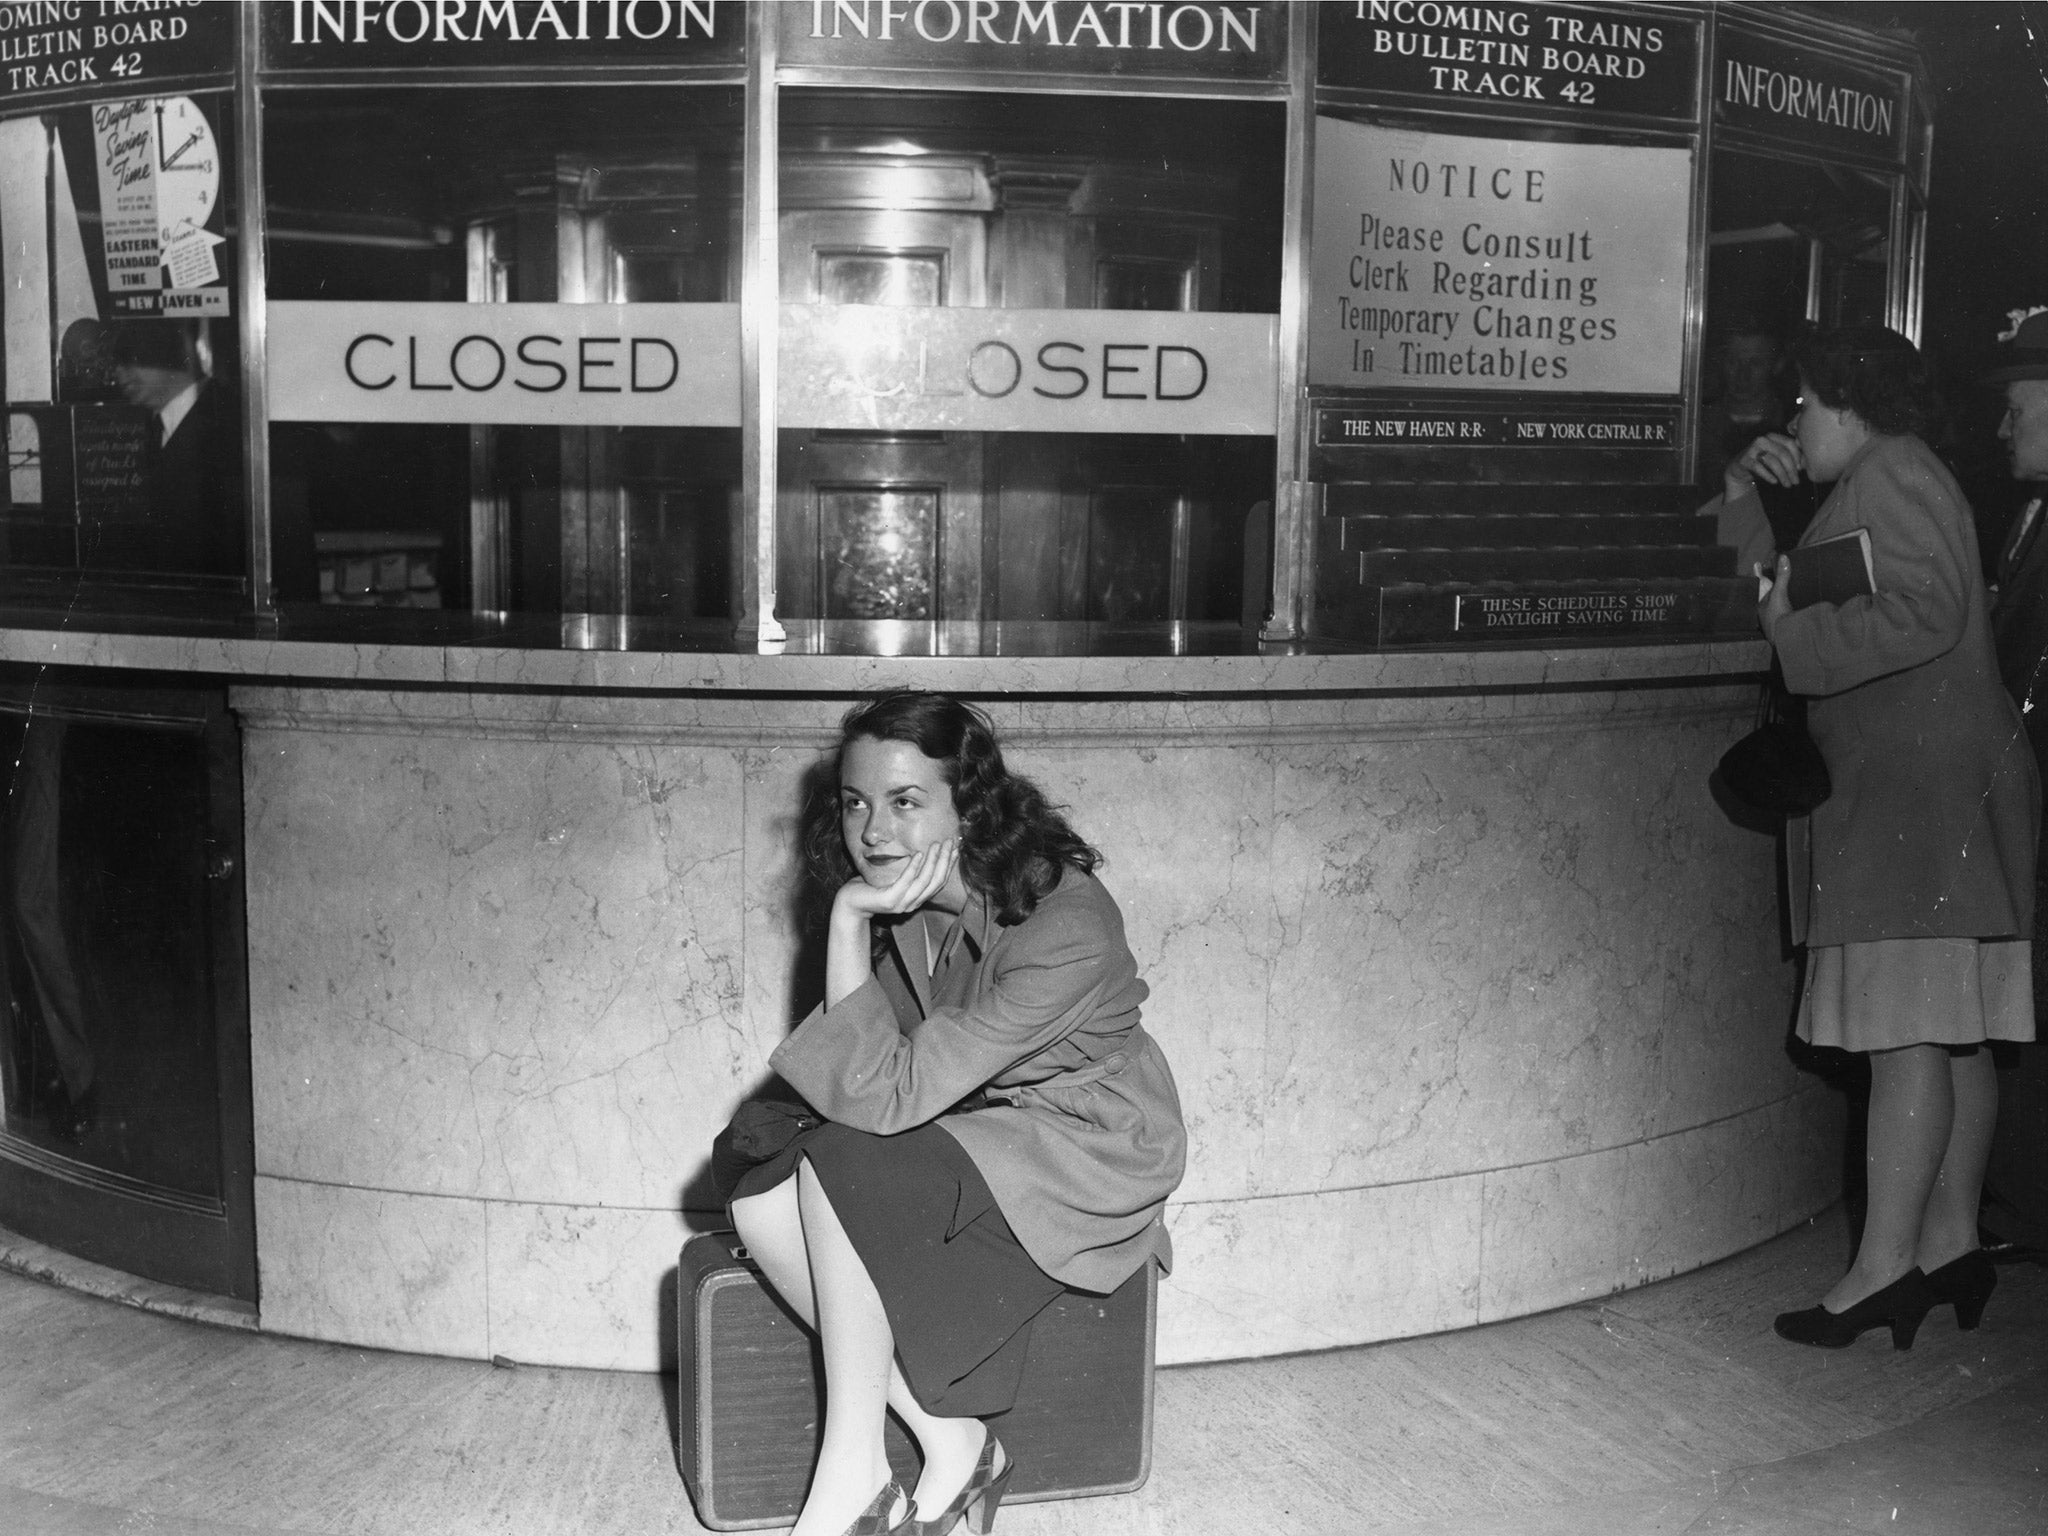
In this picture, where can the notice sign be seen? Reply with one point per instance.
(609, 365)
(868, 368)
(1448, 262)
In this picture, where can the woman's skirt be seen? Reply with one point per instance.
(1888, 993)
(960, 1290)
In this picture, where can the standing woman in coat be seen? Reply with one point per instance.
(1913, 883)
(998, 1126)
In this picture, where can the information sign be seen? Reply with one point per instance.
(1443, 261)
(600, 365)
(82, 49)
(499, 34)
(865, 367)
(1803, 97)
(1210, 41)
(1578, 59)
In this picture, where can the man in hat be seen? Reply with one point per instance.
(2015, 1204)
(195, 484)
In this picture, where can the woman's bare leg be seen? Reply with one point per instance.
(1949, 1229)
(1912, 1110)
(859, 1349)
(772, 1227)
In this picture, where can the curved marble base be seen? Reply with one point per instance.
(1475, 1000)
(37, 1261)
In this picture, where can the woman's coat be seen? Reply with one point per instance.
(1931, 829)
(1088, 1142)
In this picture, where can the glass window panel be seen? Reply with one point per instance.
(122, 399)
(1789, 242)
(683, 516)
(1130, 554)
(515, 195)
(880, 551)
(1137, 282)
(882, 277)
(1795, 241)
(984, 204)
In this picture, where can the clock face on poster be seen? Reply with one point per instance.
(187, 166)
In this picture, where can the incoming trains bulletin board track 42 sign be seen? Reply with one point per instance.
(1445, 261)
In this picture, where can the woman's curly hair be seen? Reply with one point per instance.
(1014, 843)
(1874, 372)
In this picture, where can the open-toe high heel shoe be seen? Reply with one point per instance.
(1965, 1283)
(1901, 1305)
(875, 1521)
(979, 1500)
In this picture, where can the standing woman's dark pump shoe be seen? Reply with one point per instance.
(1965, 1283)
(1901, 1305)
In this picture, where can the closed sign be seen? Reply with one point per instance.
(618, 365)
(860, 367)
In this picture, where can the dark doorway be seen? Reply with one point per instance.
(124, 1042)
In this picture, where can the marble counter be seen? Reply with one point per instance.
(1475, 1000)
(587, 656)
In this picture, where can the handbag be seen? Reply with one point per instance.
(760, 1129)
(1776, 770)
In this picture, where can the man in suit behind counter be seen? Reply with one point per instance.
(195, 506)
(2014, 1213)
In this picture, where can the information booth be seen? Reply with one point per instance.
(464, 458)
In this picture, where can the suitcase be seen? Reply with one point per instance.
(751, 1398)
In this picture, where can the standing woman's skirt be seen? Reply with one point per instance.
(1887, 993)
(959, 1288)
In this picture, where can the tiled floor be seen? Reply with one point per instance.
(1664, 1410)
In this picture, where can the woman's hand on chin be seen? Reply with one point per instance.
(1774, 457)
(919, 881)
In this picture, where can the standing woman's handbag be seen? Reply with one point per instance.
(1775, 771)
